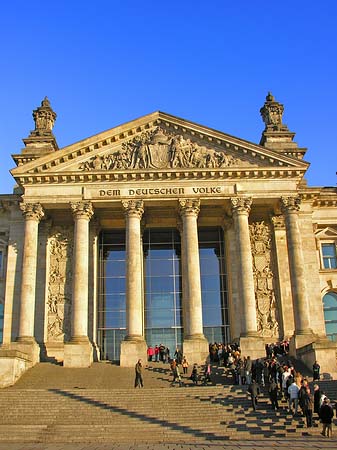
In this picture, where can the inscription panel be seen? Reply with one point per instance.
(109, 192)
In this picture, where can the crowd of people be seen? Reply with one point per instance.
(275, 373)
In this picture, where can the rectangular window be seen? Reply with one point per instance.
(329, 256)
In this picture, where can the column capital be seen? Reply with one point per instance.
(278, 222)
(290, 204)
(32, 211)
(133, 208)
(241, 204)
(82, 210)
(189, 207)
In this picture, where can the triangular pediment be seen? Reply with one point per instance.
(326, 233)
(155, 143)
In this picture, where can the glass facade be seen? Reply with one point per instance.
(111, 295)
(162, 288)
(330, 315)
(214, 285)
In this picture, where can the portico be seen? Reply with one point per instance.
(159, 230)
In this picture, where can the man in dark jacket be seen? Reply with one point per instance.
(326, 415)
(254, 391)
(273, 393)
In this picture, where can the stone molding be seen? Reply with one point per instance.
(32, 211)
(241, 205)
(133, 208)
(82, 210)
(188, 207)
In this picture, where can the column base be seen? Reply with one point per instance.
(300, 339)
(78, 353)
(15, 359)
(252, 345)
(196, 349)
(324, 351)
(132, 350)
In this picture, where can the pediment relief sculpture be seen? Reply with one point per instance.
(158, 149)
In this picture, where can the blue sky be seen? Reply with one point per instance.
(103, 63)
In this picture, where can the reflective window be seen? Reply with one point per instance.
(162, 287)
(111, 295)
(213, 284)
(330, 315)
(329, 256)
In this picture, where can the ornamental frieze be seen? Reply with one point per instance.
(158, 149)
(266, 310)
(59, 285)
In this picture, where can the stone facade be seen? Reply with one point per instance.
(155, 172)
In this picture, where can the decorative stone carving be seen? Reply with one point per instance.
(33, 211)
(133, 208)
(59, 285)
(241, 204)
(44, 118)
(278, 222)
(267, 323)
(82, 210)
(290, 204)
(189, 206)
(158, 149)
(272, 112)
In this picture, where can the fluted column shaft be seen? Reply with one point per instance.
(134, 210)
(33, 214)
(189, 210)
(290, 207)
(240, 209)
(82, 212)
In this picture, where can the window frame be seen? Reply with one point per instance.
(324, 258)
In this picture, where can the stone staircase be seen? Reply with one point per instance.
(51, 404)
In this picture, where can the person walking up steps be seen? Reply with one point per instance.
(139, 374)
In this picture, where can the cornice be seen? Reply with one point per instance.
(156, 175)
(319, 197)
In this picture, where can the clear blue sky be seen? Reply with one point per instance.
(102, 63)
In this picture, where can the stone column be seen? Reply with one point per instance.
(290, 207)
(195, 345)
(133, 347)
(78, 352)
(240, 209)
(250, 344)
(33, 214)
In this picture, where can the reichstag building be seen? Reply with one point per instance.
(162, 230)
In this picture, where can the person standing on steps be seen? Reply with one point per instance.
(139, 374)
(185, 365)
(315, 371)
(326, 415)
(254, 391)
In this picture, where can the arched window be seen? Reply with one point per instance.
(330, 315)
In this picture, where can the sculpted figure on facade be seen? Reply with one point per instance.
(158, 149)
(59, 285)
(260, 236)
(44, 118)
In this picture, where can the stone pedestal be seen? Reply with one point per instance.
(298, 341)
(196, 350)
(78, 354)
(253, 347)
(323, 351)
(132, 351)
(15, 359)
